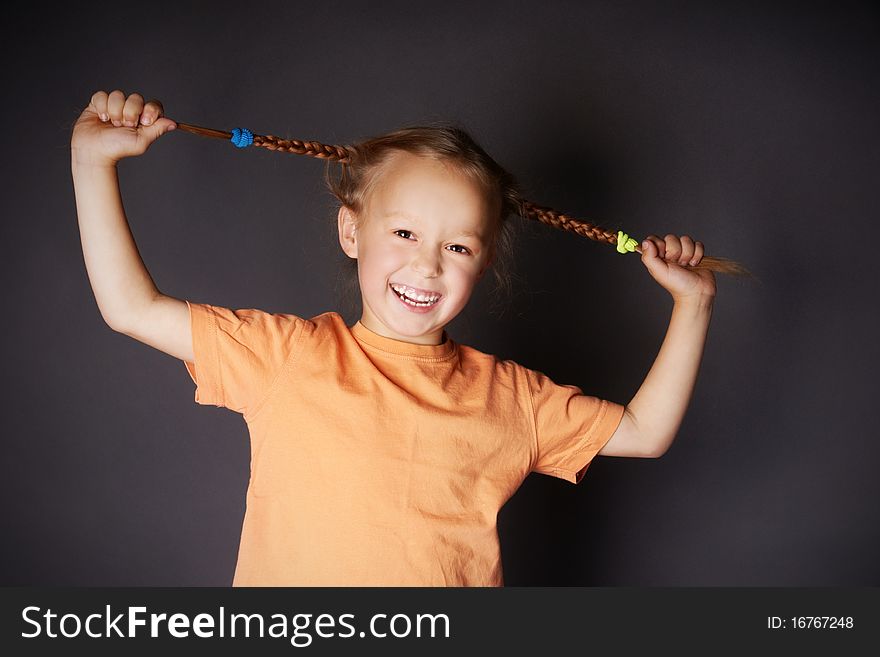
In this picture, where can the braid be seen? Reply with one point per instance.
(556, 219)
(315, 149)
(561, 221)
(526, 209)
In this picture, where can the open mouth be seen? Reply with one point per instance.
(417, 300)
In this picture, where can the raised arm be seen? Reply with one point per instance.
(110, 128)
(654, 415)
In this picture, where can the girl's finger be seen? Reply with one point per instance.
(132, 109)
(673, 248)
(99, 104)
(115, 103)
(687, 250)
(658, 243)
(698, 254)
(152, 111)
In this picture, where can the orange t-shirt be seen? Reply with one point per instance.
(378, 462)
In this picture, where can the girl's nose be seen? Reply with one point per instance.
(427, 263)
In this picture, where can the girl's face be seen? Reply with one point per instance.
(425, 231)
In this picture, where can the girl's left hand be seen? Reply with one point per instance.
(670, 262)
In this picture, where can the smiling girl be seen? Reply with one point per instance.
(381, 453)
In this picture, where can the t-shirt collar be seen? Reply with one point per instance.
(401, 348)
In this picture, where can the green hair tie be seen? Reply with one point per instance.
(625, 243)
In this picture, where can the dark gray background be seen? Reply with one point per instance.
(752, 128)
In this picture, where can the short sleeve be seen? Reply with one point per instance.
(570, 427)
(238, 354)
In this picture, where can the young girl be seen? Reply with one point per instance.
(381, 453)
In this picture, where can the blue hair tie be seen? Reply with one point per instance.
(242, 137)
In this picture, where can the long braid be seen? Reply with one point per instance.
(272, 143)
(527, 209)
(562, 221)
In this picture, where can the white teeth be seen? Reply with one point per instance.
(412, 294)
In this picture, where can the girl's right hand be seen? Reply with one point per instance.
(113, 127)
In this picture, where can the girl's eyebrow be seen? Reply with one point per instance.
(396, 213)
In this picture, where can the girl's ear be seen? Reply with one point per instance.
(486, 265)
(347, 225)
